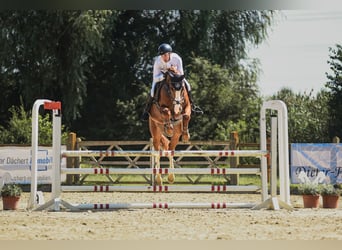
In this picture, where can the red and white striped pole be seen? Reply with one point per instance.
(160, 205)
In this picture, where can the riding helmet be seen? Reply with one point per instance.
(164, 48)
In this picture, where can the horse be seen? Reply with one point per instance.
(169, 117)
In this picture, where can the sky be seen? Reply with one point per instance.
(296, 52)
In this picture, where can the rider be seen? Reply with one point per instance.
(167, 60)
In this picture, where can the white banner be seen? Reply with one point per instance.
(313, 158)
(15, 165)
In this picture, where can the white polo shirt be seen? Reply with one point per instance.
(160, 67)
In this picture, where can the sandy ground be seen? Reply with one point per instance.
(170, 224)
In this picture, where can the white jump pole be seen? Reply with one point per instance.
(56, 147)
(163, 189)
(274, 156)
(143, 171)
(284, 176)
(166, 153)
(55, 107)
(158, 205)
(34, 148)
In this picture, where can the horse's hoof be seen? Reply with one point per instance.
(171, 178)
(159, 180)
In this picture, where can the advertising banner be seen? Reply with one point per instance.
(315, 158)
(15, 165)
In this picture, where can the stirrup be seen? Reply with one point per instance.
(196, 109)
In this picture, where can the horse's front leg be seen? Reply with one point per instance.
(158, 178)
(171, 176)
(156, 145)
(185, 128)
(173, 143)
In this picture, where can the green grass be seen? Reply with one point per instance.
(180, 179)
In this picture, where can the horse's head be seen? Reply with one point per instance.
(175, 83)
(175, 80)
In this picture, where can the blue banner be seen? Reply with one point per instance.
(313, 158)
(15, 165)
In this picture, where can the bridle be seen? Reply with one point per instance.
(174, 87)
(175, 91)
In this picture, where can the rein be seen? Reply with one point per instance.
(177, 103)
(174, 101)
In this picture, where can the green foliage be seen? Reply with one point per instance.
(229, 99)
(308, 115)
(47, 53)
(99, 63)
(335, 86)
(309, 188)
(11, 190)
(19, 128)
(221, 36)
(329, 189)
(223, 130)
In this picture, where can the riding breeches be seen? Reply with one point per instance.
(187, 85)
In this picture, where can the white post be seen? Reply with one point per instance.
(274, 156)
(56, 144)
(283, 163)
(34, 148)
(284, 169)
(152, 161)
(263, 146)
(284, 176)
(56, 147)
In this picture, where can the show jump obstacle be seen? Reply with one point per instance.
(269, 200)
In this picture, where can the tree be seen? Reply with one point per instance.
(126, 73)
(99, 63)
(45, 54)
(307, 115)
(220, 36)
(335, 86)
(229, 99)
(20, 128)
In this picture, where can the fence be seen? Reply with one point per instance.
(104, 161)
(279, 130)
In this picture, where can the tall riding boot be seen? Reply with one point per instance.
(194, 108)
(145, 115)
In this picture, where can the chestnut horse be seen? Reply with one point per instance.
(169, 118)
